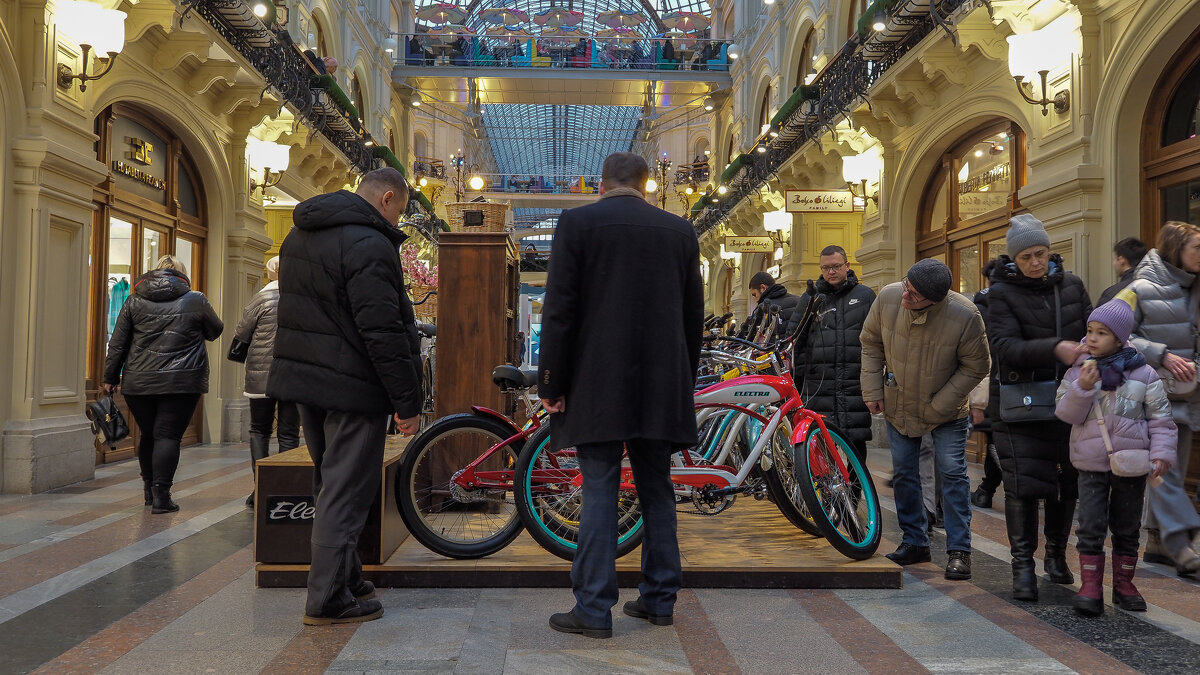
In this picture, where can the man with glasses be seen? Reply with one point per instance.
(829, 354)
(924, 349)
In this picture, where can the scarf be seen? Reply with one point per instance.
(1113, 367)
(623, 192)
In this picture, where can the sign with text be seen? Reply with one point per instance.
(291, 510)
(819, 201)
(749, 244)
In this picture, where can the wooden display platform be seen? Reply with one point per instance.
(749, 546)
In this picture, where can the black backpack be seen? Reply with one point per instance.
(107, 421)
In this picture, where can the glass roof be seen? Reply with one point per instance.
(653, 9)
(558, 140)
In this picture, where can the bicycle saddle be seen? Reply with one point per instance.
(426, 329)
(511, 377)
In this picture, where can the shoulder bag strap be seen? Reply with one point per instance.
(1057, 328)
(1108, 446)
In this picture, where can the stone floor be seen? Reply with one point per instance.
(91, 582)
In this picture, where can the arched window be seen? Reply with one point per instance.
(805, 65)
(856, 9)
(969, 200)
(419, 144)
(320, 44)
(356, 92)
(1171, 145)
(764, 111)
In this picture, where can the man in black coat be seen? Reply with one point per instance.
(620, 345)
(1127, 253)
(346, 351)
(767, 293)
(829, 359)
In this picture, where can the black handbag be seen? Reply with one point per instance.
(107, 421)
(238, 351)
(1032, 401)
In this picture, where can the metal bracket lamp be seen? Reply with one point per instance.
(857, 170)
(94, 29)
(1036, 54)
(270, 160)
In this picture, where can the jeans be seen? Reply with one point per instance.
(262, 419)
(1169, 509)
(162, 419)
(594, 571)
(950, 442)
(1109, 502)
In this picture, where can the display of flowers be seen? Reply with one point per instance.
(414, 268)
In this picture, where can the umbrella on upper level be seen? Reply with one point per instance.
(503, 16)
(619, 35)
(442, 13)
(448, 33)
(560, 35)
(621, 18)
(686, 21)
(557, 16)
(508, 33)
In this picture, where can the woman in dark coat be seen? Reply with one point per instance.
(1029, 345)
(157, 355)
(257, 328)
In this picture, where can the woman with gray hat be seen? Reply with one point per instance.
(1036, 316)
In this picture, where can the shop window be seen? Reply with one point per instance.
(189, 203)
(1183, 115)
(120, 272)
(1182, 202)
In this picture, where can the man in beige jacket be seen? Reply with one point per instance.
(923, 350)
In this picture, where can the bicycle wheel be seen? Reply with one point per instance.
(550, 499)
(783, 486)
(844, 504)
(445, 517)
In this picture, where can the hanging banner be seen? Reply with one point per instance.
(757, 244)
(819, 201)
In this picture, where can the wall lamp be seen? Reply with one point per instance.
(94, 28)
(857, 170)
(269, 160)
(1034, 55)
(709, 104)
(733, 52)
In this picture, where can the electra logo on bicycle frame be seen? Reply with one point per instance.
(751, 393)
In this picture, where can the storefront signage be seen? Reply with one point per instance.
(820, 201)
(749, 244)
(141, 150)
(139, 175)
(290, 509)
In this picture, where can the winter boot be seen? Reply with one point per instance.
(260, 447)
(146, 491)
(1059, 516)
(1020, 516)
(1125, 594)
(162, 499)
(1089, 601)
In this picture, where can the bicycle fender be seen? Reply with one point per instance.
(800, 431)
(488, 412)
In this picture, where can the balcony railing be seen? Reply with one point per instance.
(429, 167)
(696, 172)
(584, 51)
(535, 261)
(831, 96)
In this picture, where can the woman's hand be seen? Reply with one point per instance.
(1089, 374)
(1067, 351)
(1179, 367)
(109, 388)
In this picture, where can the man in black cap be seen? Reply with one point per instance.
(923, 350)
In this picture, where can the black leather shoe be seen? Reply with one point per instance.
(365, 590)
(981, 498)
(907, 554)
(356, 612)
(567, 622)
(635, 609)
(959, 566)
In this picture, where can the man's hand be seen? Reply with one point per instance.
(1068, 351)
(408, 427)
(976, 416)
(876, 407)
(555, 405)
(1160, 467)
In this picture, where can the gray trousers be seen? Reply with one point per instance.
(1109, 503)
(347, 454)
(1169, 509)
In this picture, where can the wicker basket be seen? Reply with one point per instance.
(426, 311)
(493, 216)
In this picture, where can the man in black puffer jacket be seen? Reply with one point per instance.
(346, 351)
(829, 355)
(767, 293)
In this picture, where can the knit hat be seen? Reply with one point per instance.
(931, 278)
(273, 269)
(1024, 231)
(1117, 315)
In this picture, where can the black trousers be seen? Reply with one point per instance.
(1109, 503)
(262, 421)
(594, 571)
(162, 419)
(347, 454)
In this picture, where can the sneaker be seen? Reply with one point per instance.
(567, 622)
(635, 609)
(958, 568)
(356, 612)
(908, 554)
(981, 498)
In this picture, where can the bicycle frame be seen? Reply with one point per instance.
(470, 477)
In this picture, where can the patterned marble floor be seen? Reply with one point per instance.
(91, 582)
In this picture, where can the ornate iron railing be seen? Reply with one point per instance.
(839, 87)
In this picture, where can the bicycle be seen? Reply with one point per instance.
(455, 477)
(815, 473)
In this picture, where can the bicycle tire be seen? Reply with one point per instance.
(434, 516)
(784, 487)
(846, 509)
(551, 516)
